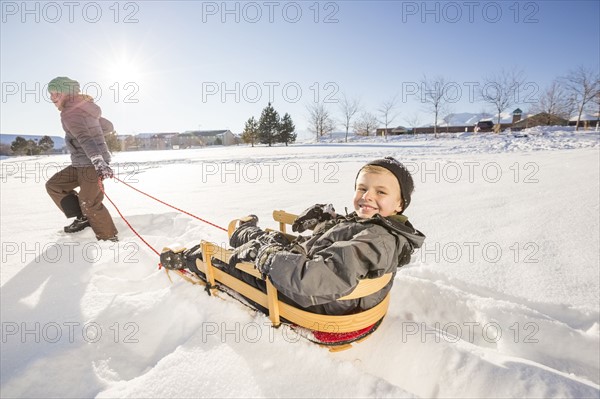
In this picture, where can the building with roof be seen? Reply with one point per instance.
(213, 137)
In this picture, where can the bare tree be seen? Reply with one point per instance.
(597, 106)
(386, 110)
(366, 124)
(413, 121)
(433, 94)
(502, 90)
(554, 101)
(320, 121)
(584, 85)
(349, 108)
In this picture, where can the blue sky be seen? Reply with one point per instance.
(157, 66)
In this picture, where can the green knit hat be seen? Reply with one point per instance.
(65, 85)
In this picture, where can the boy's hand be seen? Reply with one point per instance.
(102, 169)
(312, 216)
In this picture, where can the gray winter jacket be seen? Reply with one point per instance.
(340, 253)
(85, 128)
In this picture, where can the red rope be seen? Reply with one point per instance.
(169, 205)
(124, 219)
(154, 198)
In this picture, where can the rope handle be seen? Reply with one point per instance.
(101, 185)
(171, 206)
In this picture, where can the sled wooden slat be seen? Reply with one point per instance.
(367, 287)
(231, 227)
(284, 218)
(237, 285)
(313, 321)
(248, 268)
(335, 323)
(273, 302)
(208, 249)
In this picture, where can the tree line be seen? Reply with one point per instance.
(22, 146)
(574, 93)
(44, 145)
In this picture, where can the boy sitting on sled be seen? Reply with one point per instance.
(313, 272)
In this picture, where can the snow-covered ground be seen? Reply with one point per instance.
(502, 301)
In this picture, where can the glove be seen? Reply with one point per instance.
(264, 258)
(312, 216)
(102, 169)
(274, 237)
(245, 253)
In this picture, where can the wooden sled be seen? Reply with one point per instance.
(278, 310)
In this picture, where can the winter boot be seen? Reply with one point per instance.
(80, 223)
(190, 259)
(250, 220)
(181, 258)
(173, 259)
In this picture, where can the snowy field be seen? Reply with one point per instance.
(502, 301)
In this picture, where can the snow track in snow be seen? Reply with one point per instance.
(448, 331)
(440, 337)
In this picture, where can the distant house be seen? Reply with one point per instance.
(391, 131)
(175, 141)
(587, 120)
(475, 127)
(541, 119)
(517, 114)
(213, 137)
(157, 141)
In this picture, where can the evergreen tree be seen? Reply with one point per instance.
(250, 133)
(113, 142)
(5, 149)
(46, 144)
(268, 125)
(33, 148)
(287, 130)
(19, 146)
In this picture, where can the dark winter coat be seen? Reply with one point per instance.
(341, 253)
(84, 130)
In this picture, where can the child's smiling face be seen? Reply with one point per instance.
(377, 192)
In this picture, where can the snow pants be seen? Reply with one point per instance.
(87, 202)
(241, 236)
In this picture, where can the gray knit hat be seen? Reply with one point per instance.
(405, 180)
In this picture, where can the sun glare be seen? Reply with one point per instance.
(124, 71)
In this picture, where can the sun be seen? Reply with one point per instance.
(124, 70)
